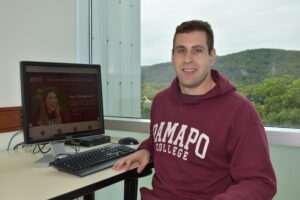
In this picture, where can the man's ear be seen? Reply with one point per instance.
(172, 56)
(213, 57)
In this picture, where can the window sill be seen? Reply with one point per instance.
(276, 136)
(283, 136)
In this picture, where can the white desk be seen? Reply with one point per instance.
(19, 180)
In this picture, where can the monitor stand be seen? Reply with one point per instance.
(56, 148)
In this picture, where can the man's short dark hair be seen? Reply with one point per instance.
(196, 25)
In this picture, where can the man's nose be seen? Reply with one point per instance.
(188, 58)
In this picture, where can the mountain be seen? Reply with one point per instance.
(158, 73)
(245, 67)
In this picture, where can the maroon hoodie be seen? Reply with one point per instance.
(210, 148)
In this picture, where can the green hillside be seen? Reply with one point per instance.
(270, 78)
(158, 73)
(245, 67)
(252, 66)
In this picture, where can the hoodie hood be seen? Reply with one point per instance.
(222, 87)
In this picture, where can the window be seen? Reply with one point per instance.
(108, 33)
(257, 46)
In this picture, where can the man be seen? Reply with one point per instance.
(207, 142)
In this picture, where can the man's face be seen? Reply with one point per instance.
(192, 62)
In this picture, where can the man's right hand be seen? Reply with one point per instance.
(141, 156)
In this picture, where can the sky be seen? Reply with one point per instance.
(237, 24)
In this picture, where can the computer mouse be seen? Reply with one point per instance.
(128, 141)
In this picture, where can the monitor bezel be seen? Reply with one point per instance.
(25, 109)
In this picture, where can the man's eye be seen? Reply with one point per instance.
(198, 50)
(180, 51)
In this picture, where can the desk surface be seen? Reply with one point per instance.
(19, 180)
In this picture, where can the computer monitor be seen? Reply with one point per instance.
(60, 101)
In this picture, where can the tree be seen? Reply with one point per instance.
(277, 100)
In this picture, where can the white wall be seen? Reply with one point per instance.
(32, 30)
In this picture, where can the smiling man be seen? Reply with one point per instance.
(192, 60)
(207, 142)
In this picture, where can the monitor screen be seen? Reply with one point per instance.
(60, 101)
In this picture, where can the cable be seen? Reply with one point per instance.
(12, 137)
(75, 145)
(40, 149)
(33, 151)
(17, 145)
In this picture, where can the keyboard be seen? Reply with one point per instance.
(93, 160)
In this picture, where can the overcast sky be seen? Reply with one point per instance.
(238, 25)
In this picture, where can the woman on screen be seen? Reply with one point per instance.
(49, 109)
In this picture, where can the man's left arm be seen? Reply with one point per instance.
(250, 167)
